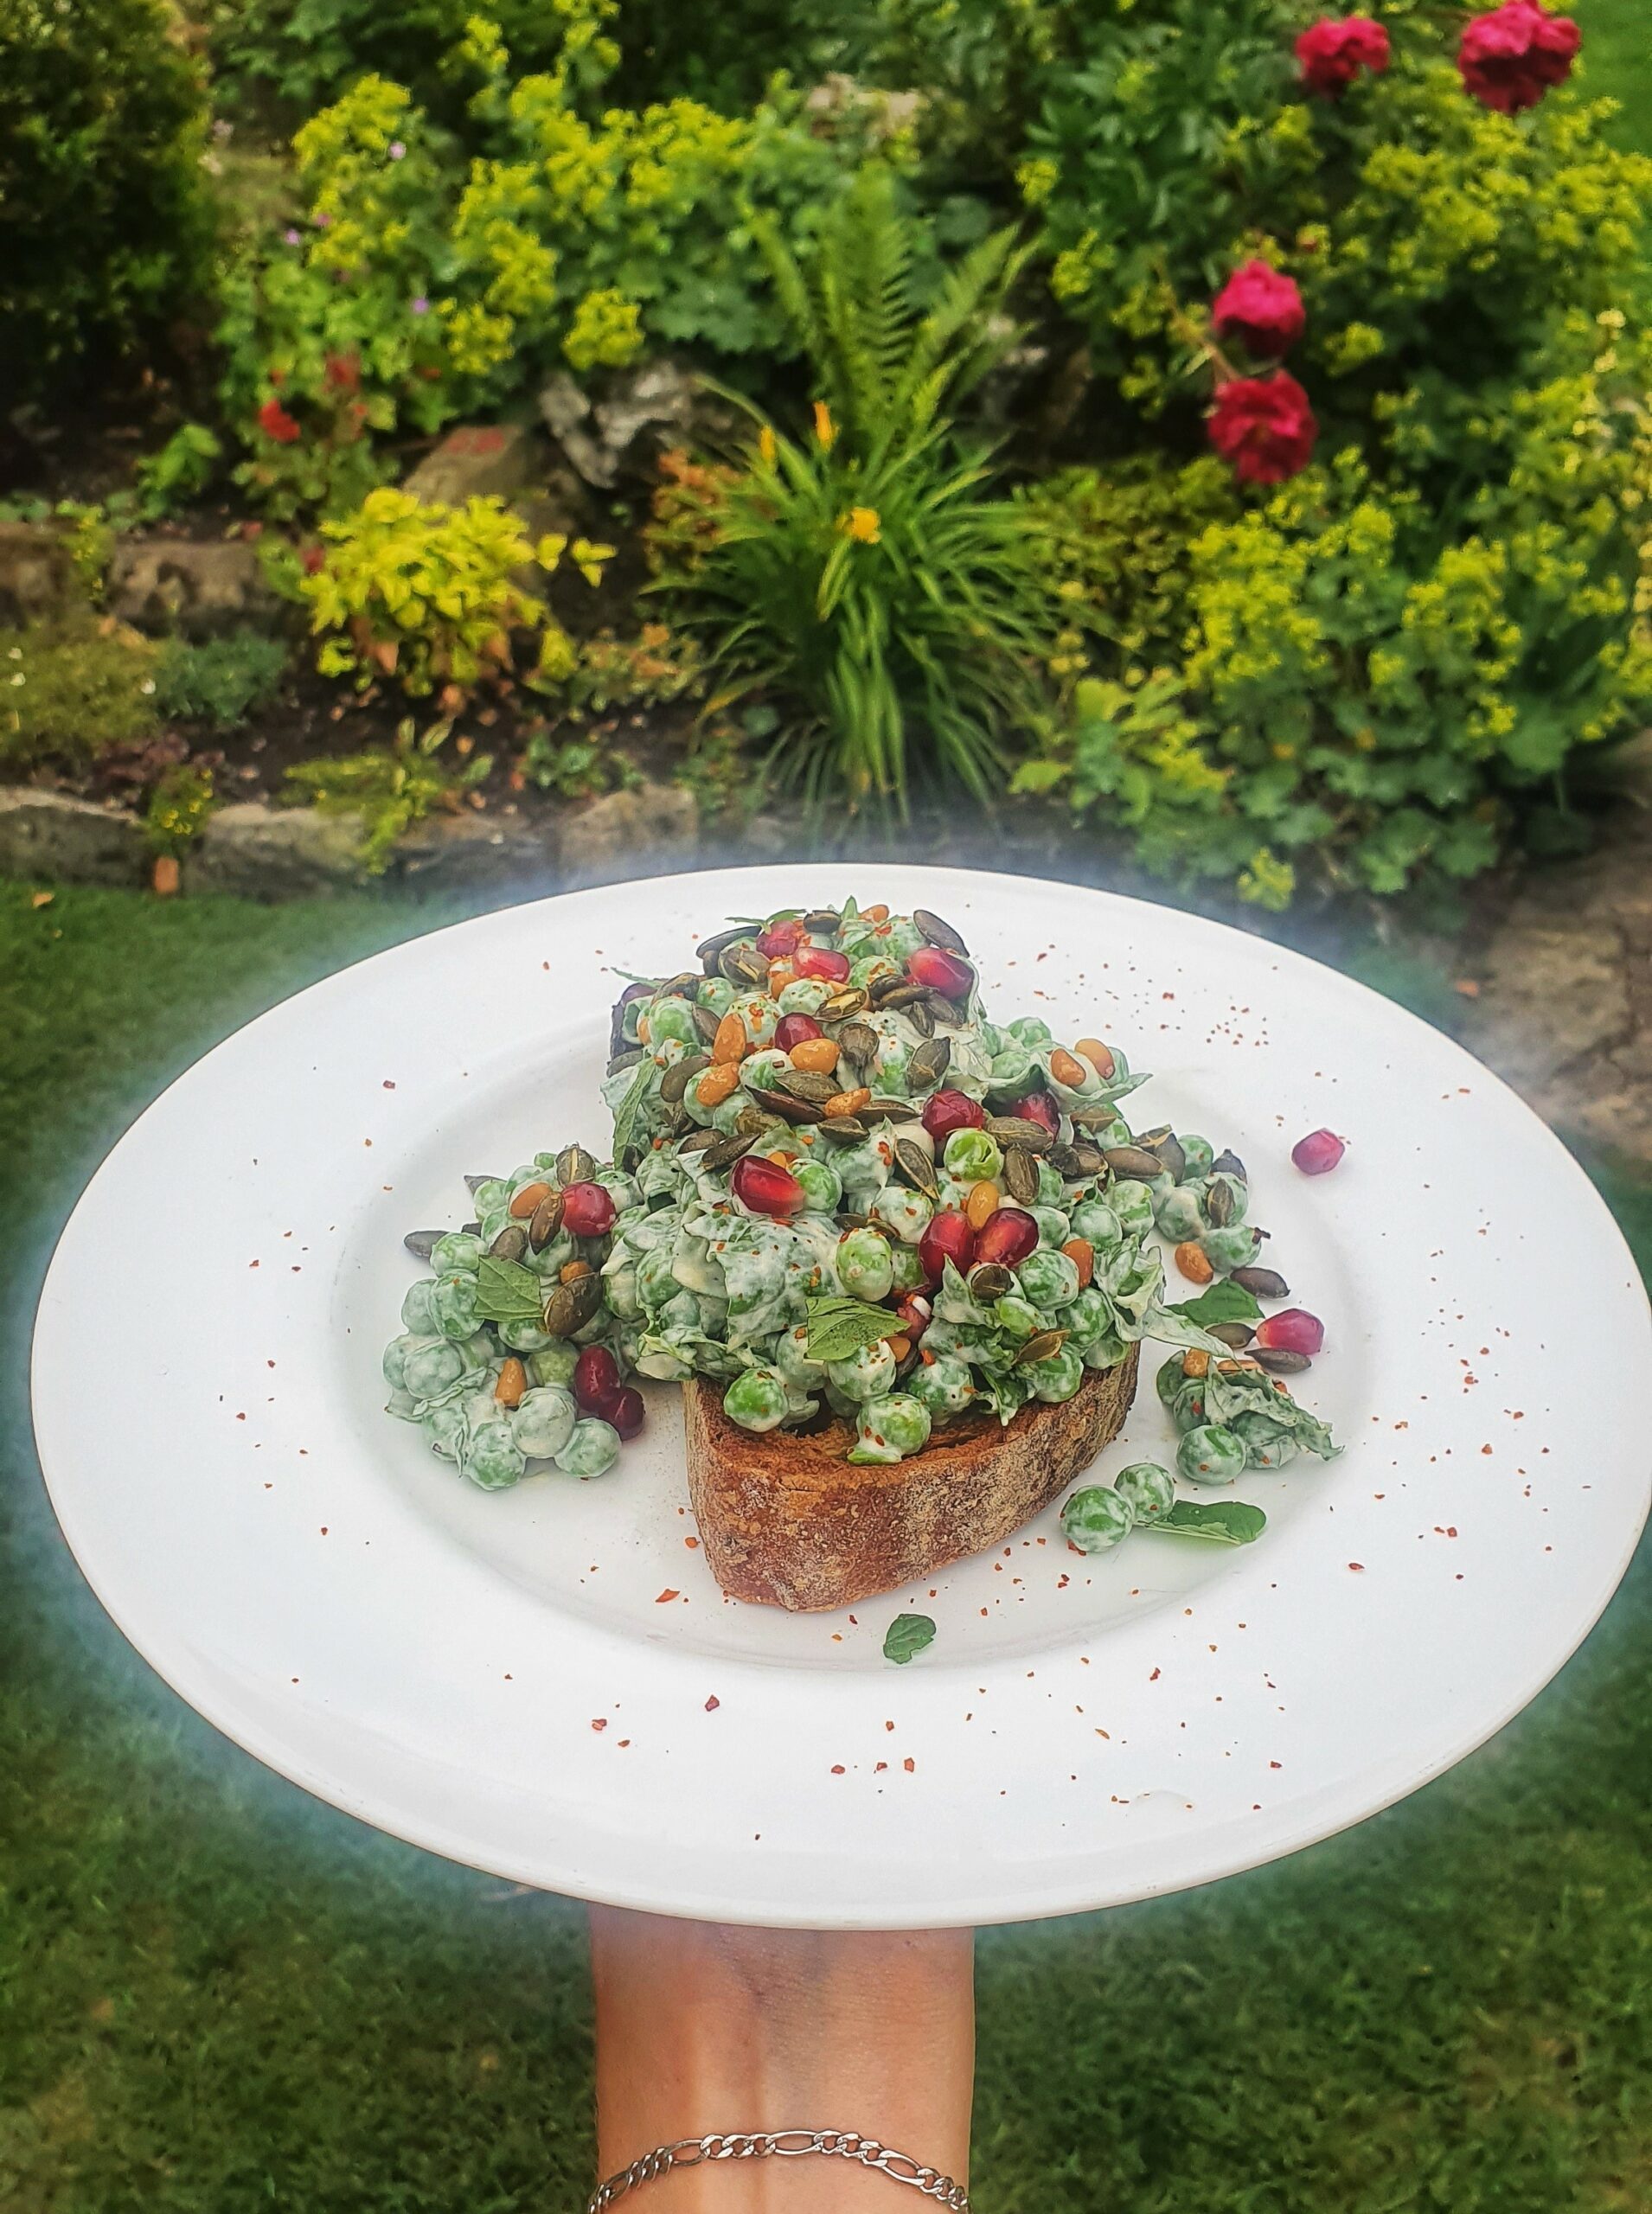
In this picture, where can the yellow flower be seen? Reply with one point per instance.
(861, 523)
(825, 429)
(766, 445)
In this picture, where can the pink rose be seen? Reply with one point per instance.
(1332, 53)
(1263, 427)
(1260, 307)
(1509, 58)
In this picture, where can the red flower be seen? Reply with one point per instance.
(274, 419)
(1332, 53)
(344, 372)
(1261, 307)
(1509, 58)
(1265, 427)
(313, 558)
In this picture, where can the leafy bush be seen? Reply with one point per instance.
(220, 681)
(69, 691)
(858, 577)
(391, 789)
(179, 472)
(429, 595)
(178, 807)
(105, 224)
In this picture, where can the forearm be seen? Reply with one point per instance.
(703, 2028)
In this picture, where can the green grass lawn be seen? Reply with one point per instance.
(217, 1996)
(1617, 49)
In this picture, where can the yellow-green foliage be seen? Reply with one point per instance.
(178, 807)
(428, 594)
(69, 692)
(390, 788)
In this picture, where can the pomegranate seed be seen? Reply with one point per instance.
(625, 1411)
(1318, 1152)
(1039, 1107)
(915, 1315)
(588, 1210)
(792, 1029)
(1292, 1330)
(765, 1188)
(948, 1238)
(820, 961)
(780, 939)
(941, 972)
(596, 1379)
(1010, 1235)
(946, 1111)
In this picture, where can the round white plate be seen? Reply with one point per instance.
(546, 1682)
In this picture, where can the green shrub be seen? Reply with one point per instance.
(104, 222)
(429, 595)
(390, 788)
(220, 680)
(860, 578)
(70, 691)
(184, 797)
(178, 473)
(1120, 542)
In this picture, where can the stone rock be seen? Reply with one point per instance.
(454, 852)
(47, 833)
(625, 832)
(1549, 996)
(476, 460)
(196, 585)
(36, 573)
(275, 853)
(643, 410)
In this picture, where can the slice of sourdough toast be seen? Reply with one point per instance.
(787, 1518)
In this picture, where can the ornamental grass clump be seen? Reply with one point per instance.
(861, 578)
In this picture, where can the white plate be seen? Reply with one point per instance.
(547, 1683)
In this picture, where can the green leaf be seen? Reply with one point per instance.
(625, 1117)
(838, 1328)
(906, 1636)
(1225, 1302)
(507, 1292)
(1224, 1521)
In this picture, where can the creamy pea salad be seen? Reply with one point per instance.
(840, 1190)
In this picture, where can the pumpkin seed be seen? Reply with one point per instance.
(860, 1042)
(1229, 1164)
(806, 1084)
(683, 986)
(1165, 1144)
(1278, 1362)
(930, 1061)
(511, 1243)
(681, 1075)
(889, 1110)
(847, 1000)
(991, 1280)
(472, 1182)
(571, 1306)
(1020, 1174)
(706, 1023)
(698, 1140)
(898, 994)
(1020, 1131)
(545, 1222)
(1132, 1161)
(471, 1230)
(947, 1011)
(727, 1151)
(846, 1130)
(1092, 1118)
(1040, 1346)
(423, 1242)
(1262, 1284)
(744, 964)
(939, 933)
(917, 1167)
(1218, 1206)
(823, 922)
(710, 949)
(1237, 1334)
(752, 1121)
(921, 1016)
(794, 1111)
(575, 1166)
(626, 1060)
(1077, 1164)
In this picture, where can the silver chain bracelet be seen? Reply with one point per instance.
(780, 2145)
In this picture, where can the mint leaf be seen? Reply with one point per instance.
(1223, 1302)
(507, 1292)
(838, 1328)
(625, 1114)
(906, 1636)
(1224, 1521)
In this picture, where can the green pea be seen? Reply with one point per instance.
(1170, 1378)
(1087, 1316)
(716, 994)
(1132, 1202)
(1105, 1350)
(865, 971)
(972, 1155)
(822, 1188)
(528, 1337)
(1181, 1213)
(1030, 1030)
(430, 1367)
(671, 1017)
(493, 1459)
(903, 1210)
(1018, 1316)
(1227, 1249)
(900, 937)
(1095, 1519)
(1058, 1377)
(1098, 1224)
(1147, 1489)
(457, 1250)
(418, 1308)
(447, 1432)
(759, 1071)
(1011, 1067)
(453, 1307)
(864, 1266)
(757, 1400)
(1051, 1192)
(1187, 1408)
(478, 1350)
(1268, 1444)
(946, 1386)
(542, 1421)
(804, 995)
(491, 1197)
(1211, 1455)
(794, 1363)
(591, 1449)
(890, 1428)
(1238, 1196)
(1054, 1226)
(555, 1365)
(394, 1364)
(1197, 1154)
(1048, 1278)
(908, 1268)
(867, 1374)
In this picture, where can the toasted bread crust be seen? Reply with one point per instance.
(788, 1520)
